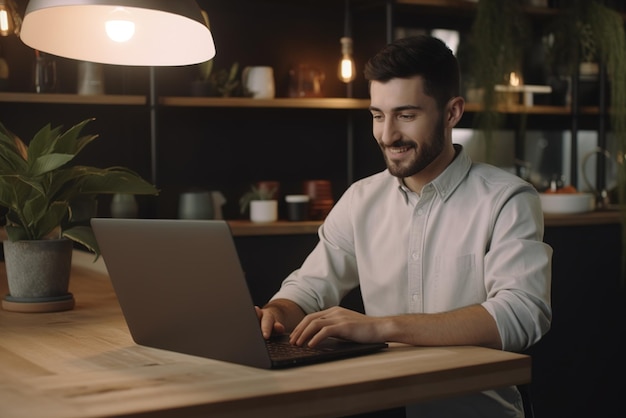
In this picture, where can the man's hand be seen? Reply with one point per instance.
(278, 316)
(269, 323)
(337, 322)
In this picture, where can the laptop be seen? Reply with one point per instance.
(181, 288)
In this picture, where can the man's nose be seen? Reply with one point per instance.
(389, 133)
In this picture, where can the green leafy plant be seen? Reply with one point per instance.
(255, 193)
(225, 82)
(44, 194)
(499, 36)
(222, 82)
(588, 30)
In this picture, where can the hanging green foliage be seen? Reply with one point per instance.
(499, 35)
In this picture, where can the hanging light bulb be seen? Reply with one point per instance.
(120, 27)
(10, 20)
(4, 20)
(347, 69)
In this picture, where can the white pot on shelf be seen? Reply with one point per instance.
(263, 210)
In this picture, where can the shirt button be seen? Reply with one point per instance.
(415, 256)
(420, 212)
(414, 297)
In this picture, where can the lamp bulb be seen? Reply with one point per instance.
(4, 22)
(347, 68)
(120, 26)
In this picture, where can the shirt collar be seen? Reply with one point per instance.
(449, 179)
(446, 183)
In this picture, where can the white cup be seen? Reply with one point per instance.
(259, 81)
(263, 210)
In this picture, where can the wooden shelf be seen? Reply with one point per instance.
(57, 98)
(241, 102)
(286, 103)
(347, 104)
(534, 110)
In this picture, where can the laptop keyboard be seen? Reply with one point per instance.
(280, 349)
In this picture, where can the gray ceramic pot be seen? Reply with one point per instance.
(38, 269)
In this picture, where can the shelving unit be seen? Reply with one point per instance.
(342, 107)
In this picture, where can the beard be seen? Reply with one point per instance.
(423, 154)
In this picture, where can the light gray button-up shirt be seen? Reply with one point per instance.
(474, 235)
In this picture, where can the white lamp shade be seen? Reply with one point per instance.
(166, 32)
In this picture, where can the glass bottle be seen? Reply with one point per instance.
(45, 73)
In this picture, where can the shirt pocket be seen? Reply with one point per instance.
(457, 283)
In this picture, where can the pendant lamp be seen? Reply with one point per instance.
(130, 32)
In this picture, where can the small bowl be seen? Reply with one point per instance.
(567, 202)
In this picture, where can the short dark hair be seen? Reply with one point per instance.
(421, 55)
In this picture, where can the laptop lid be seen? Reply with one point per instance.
(181, 287)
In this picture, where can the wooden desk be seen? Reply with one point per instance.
(83, 363)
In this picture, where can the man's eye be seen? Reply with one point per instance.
(406, 116)
(377, 117)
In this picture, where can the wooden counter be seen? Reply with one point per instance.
(243, 228)
(247, 228)
(599, 217)
(83, 363)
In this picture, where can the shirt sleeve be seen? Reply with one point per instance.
(330, 270)
(518, 272)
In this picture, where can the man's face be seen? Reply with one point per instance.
(407, 125)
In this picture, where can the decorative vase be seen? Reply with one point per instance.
(124, 205)
(196, 204)
(38, 274)
(263, 210)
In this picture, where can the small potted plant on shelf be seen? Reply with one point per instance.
(219, 83)
(262, 203)
(48, 202)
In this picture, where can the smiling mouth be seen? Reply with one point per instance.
(399, 150)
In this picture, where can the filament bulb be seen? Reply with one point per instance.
(347, 69)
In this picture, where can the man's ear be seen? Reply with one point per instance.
(454, 111)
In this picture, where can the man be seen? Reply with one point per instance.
(446, 251)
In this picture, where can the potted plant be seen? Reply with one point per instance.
(262, 203)
(220, 83)
(48, 203)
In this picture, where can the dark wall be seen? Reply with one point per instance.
(577, 364)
